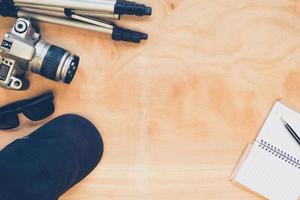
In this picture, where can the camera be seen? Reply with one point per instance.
(23, 50)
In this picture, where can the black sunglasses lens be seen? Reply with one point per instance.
(9, 121)
(40, 110)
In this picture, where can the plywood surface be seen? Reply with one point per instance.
(176, 111)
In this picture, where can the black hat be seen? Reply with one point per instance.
(48, 162)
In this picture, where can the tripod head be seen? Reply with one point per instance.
(7, 8)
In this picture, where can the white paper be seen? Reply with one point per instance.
(272, 167)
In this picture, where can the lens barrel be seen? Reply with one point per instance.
(54, 63)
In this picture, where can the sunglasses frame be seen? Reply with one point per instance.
(20, 107)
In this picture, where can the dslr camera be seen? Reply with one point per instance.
(23, 50)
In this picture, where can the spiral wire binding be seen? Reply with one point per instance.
(279, 153)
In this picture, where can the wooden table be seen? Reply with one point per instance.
(176, 111)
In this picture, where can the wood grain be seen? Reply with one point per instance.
(177, 111)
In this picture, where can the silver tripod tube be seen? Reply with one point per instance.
(102, 6)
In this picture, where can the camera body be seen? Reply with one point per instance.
(23, 50)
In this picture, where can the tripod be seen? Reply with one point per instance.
(94, 15)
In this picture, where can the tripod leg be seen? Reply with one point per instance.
(64, 22)
(71, 4)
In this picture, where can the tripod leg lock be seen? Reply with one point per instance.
(68, 12)
(131, 8)
(121, 34)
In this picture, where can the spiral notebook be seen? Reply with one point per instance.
(270, 165)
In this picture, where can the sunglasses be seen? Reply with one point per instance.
(35, 109)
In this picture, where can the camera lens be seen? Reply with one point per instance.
(72, 69)
(54, 63)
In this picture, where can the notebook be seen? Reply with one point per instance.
(270, 165)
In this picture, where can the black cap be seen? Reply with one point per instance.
(48, 162)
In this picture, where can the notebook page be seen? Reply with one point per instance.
(274, 133)
(268, 175)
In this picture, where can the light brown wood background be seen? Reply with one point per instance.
(176, 111)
